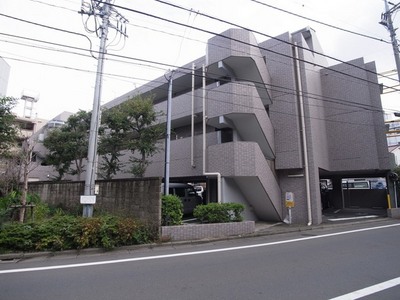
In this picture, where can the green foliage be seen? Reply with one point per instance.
(16, 237)
(40, 210)
(171, 210)
(10, 174)
(8, 130)
(57, 233)
(219, 212)
(129, 126)
(5, 205)
(62, 232)
(68, 145)
(112, 141)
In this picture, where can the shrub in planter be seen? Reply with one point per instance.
(219, 212)
(171, 210)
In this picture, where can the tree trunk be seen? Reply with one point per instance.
(26, 160)
(24, 192)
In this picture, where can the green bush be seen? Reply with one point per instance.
(57, 233)
(171, 210)
(63, 232)
(7, 213)
(16, 236)
(219, 212)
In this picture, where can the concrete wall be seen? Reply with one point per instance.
(138, 198)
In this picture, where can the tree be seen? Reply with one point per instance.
(112, 141)
(8, 129)
(68, 145)
(9, 174)
(58, 156)
(131, 126)
(26, 166)
(143, 132)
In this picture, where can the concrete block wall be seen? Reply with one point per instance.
(138, 198)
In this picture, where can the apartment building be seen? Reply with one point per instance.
(255, 121)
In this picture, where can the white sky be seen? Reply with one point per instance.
(65, 81)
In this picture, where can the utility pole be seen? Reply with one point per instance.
(386, 21)
(103, 10)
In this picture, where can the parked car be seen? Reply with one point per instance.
(189, 197)
(351, 185)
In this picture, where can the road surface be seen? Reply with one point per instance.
(349, 262)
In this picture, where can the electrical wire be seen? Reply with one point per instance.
(320, 22)
(254, 31)
(52, 5)
(271, 87)
(180, 24)
(152, 62)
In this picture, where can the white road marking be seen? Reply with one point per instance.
(353, 218)
(191, 253)
(370, 290)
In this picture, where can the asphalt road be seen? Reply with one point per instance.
(362, 259)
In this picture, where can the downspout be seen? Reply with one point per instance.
(192, 131)
(168, 137)
(204, 139)
(303, 134)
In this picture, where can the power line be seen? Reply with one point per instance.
(319, 22)
(146, 61)
(49, 27)
(292, 92)
(53, 5)
(263, 34)
(142, 60)
(182, 69)
(252, 45)
(198, 29)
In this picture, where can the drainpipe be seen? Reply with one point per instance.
(204, 140)
(168, 137)
(192, 132)
(303, 135)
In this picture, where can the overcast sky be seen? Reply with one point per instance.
(57, 66)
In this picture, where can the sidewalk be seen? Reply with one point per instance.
(331, 218)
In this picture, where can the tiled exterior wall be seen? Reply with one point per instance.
(204, 231)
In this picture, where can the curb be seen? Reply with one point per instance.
(272, 229)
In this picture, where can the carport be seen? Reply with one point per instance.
(347, 196)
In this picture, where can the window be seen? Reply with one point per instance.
(226, 135)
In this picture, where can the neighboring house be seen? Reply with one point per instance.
(41, 173)
(263, 119)
(28, 126)
(4, 76)
(392, 131)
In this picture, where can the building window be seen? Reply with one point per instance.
(226, 135)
